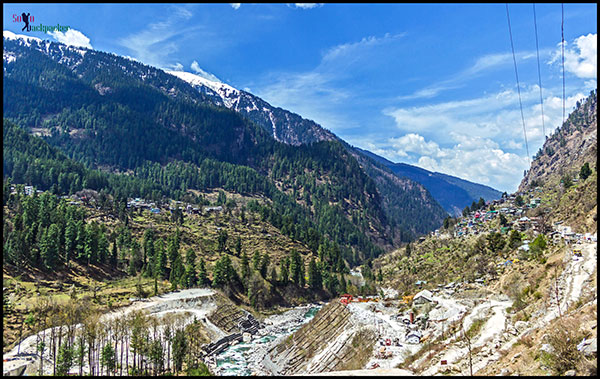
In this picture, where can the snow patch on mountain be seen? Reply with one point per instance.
(9, 57)
(10, 35)
(229, 94)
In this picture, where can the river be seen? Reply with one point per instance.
(245, 358)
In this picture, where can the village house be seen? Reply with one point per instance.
(556, 236)
(413, 337)
(423, 297)
(564, 230)
(213, 209)
(420, 283)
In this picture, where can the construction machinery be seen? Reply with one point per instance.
(346, 299)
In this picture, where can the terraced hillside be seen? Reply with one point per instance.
(327, 343)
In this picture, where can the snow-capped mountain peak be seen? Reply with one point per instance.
(284, 126)
(10, 35)
(229, 94)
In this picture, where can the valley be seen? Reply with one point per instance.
(158, 222)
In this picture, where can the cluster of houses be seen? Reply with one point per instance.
(473, 223)
(565, 233)
(88, 198)
(416, 325)
(29, 190)
(138, 203)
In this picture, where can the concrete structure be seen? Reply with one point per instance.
(423, 297)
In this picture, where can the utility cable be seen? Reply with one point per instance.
(537, 49)
(562, 45)
(518, 85)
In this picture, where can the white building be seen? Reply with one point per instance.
(423, 297)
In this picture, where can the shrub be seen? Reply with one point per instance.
(526, 340)
(563, 338)
(585, 171)
(475, 327)
(201, 370)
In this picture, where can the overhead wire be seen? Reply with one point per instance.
(562, 45)
(537, 49)
(518, 85)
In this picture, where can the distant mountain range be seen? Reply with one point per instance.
(453, 193)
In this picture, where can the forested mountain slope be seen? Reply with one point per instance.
(453, 193)
(284, 126)
(118, 114)
(408, 208)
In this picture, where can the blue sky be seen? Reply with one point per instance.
(426, 84)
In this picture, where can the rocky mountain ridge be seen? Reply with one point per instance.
(567, 149)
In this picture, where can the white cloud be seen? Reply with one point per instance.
(495, 115)
(482, 65)
(585, 63)
(72, 37)
(414, 143)
(514, 145)
(206, 75)
(582, 59)
(344, 50)
(157, 42)
(484, 136)
(308, 5)
(480, 160)
(591, 84)
(235, 6)
(175, 67)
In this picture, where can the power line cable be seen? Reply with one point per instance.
(539, 71)
(518, 85)
(562, 45)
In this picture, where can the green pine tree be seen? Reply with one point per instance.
(315, 281)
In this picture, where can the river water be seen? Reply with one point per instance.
(245, 358)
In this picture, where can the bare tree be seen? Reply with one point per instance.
(467, 338)
(556, 292)
(41, 310)
(116, 327)
(80, 350)
(90, 326)
(168, 321)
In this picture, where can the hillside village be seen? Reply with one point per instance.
(160, 223)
